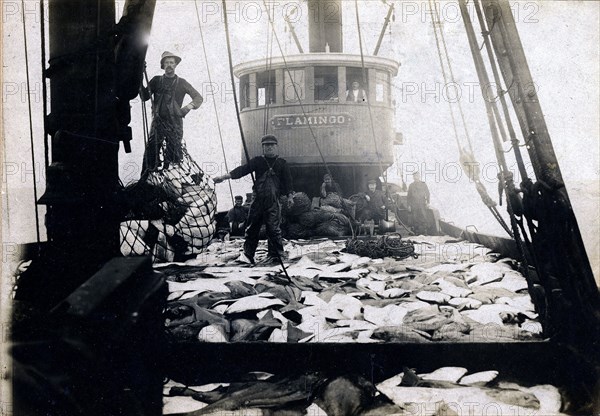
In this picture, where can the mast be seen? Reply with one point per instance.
(557, 240)
(91, 83)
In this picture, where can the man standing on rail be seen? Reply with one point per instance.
(273, 178)
(166, 134)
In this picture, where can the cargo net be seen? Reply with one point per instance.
(171, 212)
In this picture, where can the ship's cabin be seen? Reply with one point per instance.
(316, 78)
(309, 103)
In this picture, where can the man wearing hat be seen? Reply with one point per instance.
(273, 178)
(167, 92)
(237, 217)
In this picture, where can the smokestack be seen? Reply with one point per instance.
(325, 25)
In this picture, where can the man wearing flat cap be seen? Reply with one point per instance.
(166, 134)
(273, 178)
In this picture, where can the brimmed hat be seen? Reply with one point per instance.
(373, 181)
(268, 139)
(167, 54)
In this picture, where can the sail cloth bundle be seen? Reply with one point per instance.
(185, 222)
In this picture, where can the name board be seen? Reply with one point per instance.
(297, 121)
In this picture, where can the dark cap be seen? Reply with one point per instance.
(238, 198)
(373, 181)
(268, 139)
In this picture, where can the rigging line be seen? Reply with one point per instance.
(483, 80)
(235, 100)
(501, 94)
(500, 220)
(44, 92)
(144, 121)
(460, 109)
(433, 7)
(297, 94)
(268, 66)
(362, 62)
(442, 66)
(213, 100)
(35, 198)
(531, 142)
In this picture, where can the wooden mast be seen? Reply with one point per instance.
(557, 241)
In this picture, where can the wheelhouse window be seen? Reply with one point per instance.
(326, 83)
(355, 74)
(244, 91)
(382, 87)
(265, 85)
(293, 87)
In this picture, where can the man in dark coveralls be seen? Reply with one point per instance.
(168, 112)
(237, 217)
(273, 178)
(418, 202)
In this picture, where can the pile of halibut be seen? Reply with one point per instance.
(447, 391)
(453, 291)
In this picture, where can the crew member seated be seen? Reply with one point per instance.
(356, 94)
(329, 186)
(331, 197)
(237, 217)
(374, 210)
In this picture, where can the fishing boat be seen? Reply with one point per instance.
(85, 298)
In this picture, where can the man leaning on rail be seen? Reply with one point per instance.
(273, 178)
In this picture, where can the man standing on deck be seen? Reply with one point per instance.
(237, 217)
(273, 178)
(418, 202)
(168, 112)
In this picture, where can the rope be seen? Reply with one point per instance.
(214, 101)
(268, 66)
(462, 115)
(362, 62)
(44, 91)
(235, 100)
(237, 110)
(35, 198)
(511, 131)
(483, 78)
(385, 246)
(442, 66)
(145, 119)
(297, 94)
(433, 7)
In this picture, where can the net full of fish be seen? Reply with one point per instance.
(186, 208)
(333, 296)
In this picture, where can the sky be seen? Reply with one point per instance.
(560, 39)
